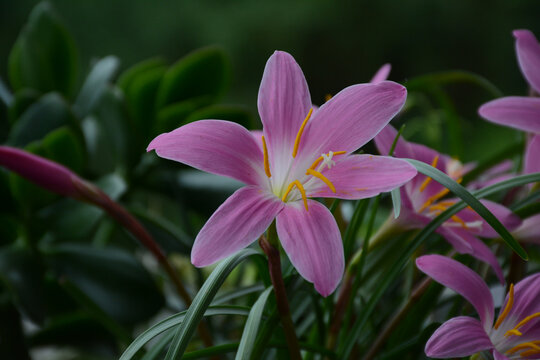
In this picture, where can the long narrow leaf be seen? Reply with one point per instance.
(249, 335)
(466, 196)
(348, 344)
(202, 301)
(173, 321)
(396, 202)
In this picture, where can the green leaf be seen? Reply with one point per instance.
(107, 136)
(21, 271)
(396, 202)
(202, 300)
(249, 334)
(173, 321)
(237, 114)
(395, 270)
(44, 116)
(95, 84)
(21, 102)
(62, 146)
(203, 73)
(111, 278)
(44, 56)
(172, 116)
(477, 206)
(69, 219)
(5, 95)
(129, 76)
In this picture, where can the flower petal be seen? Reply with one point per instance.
(381, 74)
(283, 103)
(532, 159)
(529, 231)
(384, 140)
(215, 146)
(43, 172)
(239, 221)
(481, 251)
(352, 117)
(528, 54)
(312, 241)
(526, 302)
(362, 176)
(478, 226)
(498, 356)
(521, 113)
(462, 280)
(459, 244)
(458, 337)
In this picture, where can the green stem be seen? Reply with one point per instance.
(274, 267)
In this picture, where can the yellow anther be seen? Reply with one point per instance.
(299, 135)
(428, 179)
(320, 158)
(532, 346)
(327, 97)
(300, 188)
(526, 320)
(320, 176)
(507, 308)
(529, 353)
(266, 164)
(513, 332)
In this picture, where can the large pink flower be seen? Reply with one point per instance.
(424, 199)
(301, 156)
(514, 335)
(520, 112)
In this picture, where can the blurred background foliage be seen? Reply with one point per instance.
(89, 83)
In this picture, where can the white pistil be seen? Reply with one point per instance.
(327, 159)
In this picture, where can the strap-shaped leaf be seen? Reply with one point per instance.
(173, 321)
(249, 335)
(473, 202)
(202, 301)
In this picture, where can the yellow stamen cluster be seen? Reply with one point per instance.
(322, 178)
(531, 347)
(436, 197)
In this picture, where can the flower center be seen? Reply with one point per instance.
(314, 171)
(530, 347)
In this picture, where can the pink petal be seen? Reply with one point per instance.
(505, 216)
(283, 103)
(526, 302)
(458, 242)
(528, 54)
(352, 117)
(215, 146)
(458, 337)
(532, 155)
(381, 74)
(363, 176)
(239, 221)
(498, 356)
(312, 241)
(521, 113)
(462, 280)
(529, 231)
(481, 251)
(384, 140)
(45, 173)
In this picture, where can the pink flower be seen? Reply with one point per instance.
(520, 112)
(424, 199)
(514, 335)
(301, 156)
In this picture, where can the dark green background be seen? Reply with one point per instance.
(337, 43)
